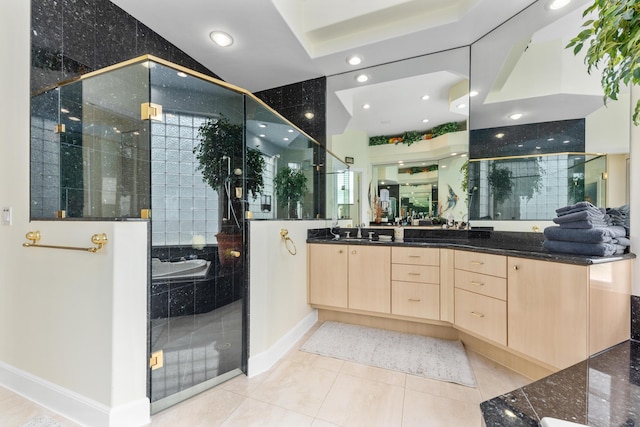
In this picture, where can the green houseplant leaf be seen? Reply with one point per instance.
(290, 187)
(613, 45)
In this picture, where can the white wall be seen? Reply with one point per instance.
(278, 311)
(72, 324)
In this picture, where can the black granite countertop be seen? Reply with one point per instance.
(520, 244)
(602, 391)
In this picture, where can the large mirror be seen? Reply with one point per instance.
(523, 68)
(405, 130)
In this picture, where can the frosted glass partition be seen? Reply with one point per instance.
(533, 187)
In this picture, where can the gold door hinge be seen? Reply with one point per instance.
(157, 360)
(59, 128)
(145, 213)
(150, 111)
(60, 214)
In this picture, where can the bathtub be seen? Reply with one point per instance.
(179, 269)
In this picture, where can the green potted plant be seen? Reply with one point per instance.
(501, 183)
(220, 155)
(290, 187)
(613, 40)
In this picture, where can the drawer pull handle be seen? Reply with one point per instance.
(340, 251)
(414, 300)
(473, 313)
(515, 267)
(354, 252)
(477, 283)
(414, 256)
(477, 262)
(414, 274)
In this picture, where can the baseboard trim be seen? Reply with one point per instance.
(262, 362)
(72, 405)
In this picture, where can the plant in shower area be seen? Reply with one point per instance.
(613, 40)
(290, 186)
(501, 183)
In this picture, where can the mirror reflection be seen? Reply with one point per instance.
(536, 107)
(406, 130)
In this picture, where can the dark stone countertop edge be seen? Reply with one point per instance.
(478, 246)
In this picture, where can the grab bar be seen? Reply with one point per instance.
(284, 233)
(97, 239)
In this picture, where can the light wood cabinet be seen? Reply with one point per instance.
(370, 278)
(327, 275)
(548, 311)
(415, 286)
(481, 295)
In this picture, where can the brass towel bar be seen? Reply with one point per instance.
(97, 239)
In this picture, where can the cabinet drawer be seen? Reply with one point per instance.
(481, 315)
(494, 265)
(415, 273)
(417, 256)
(415, 299)
(492, 286)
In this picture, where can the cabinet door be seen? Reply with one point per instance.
(547, 310)
(370, 278)
(328, 275)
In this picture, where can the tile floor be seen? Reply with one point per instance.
(309, 390)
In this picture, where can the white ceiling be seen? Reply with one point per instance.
(278, 42)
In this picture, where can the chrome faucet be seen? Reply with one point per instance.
(359, 235)
(334, 230)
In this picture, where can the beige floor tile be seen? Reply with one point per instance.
(354, 401)
(321, 423)
(328, 363)
(244, 385)
(296, 386)
(444, 389)
(375, 374)
(427, 410)
(210, 408)
(255, 413)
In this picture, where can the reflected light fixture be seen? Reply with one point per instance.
(181, 74)
(366, 106)
(361, 78)
(461, 106)
(425, 120)
(515, 116)
(473, 93)
(221, 38)
(499, 135)
(425, 97)
(557, 4)
(309, 115)
(354, 60)
(566, 141)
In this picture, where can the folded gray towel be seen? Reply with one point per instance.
(582, 224)
(594, 249)
(590, 235)
(575, 206)
(594, 210)
(623, 241)
(582, 216)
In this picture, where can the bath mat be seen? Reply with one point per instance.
(428, 357)
(42, 421)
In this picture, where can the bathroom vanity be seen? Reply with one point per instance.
(500, 293)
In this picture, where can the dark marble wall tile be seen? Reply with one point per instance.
(549, 136)
(635, 317)
(73, 37)
(294, 100)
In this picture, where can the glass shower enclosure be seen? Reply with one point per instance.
(198, 158)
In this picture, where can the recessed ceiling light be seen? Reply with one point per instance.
(520, 145)
(425, 97)
(354, 60)
(221, 38)
(473, 93)
(366, 106)
(444, 166)
(286, 139)
(461, 106)
(463, 155)
(382, 182)
(262, 135)
(537, 148)
(181, 74)
(499, 135)
(558, 4)
(361, 78)
(550, 139)
(64, 110)
(515, 116)
(262, 125)
(75, 119)
(400, 161)
(565, 142)
(309, 115)
(454, 154)
(290, 130)
(425, 120)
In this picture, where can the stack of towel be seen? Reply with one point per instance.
(585, 229)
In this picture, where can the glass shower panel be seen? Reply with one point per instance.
(198, 291)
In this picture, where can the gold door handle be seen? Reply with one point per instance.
(477, 283)
(473, 313)
(414, 300)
